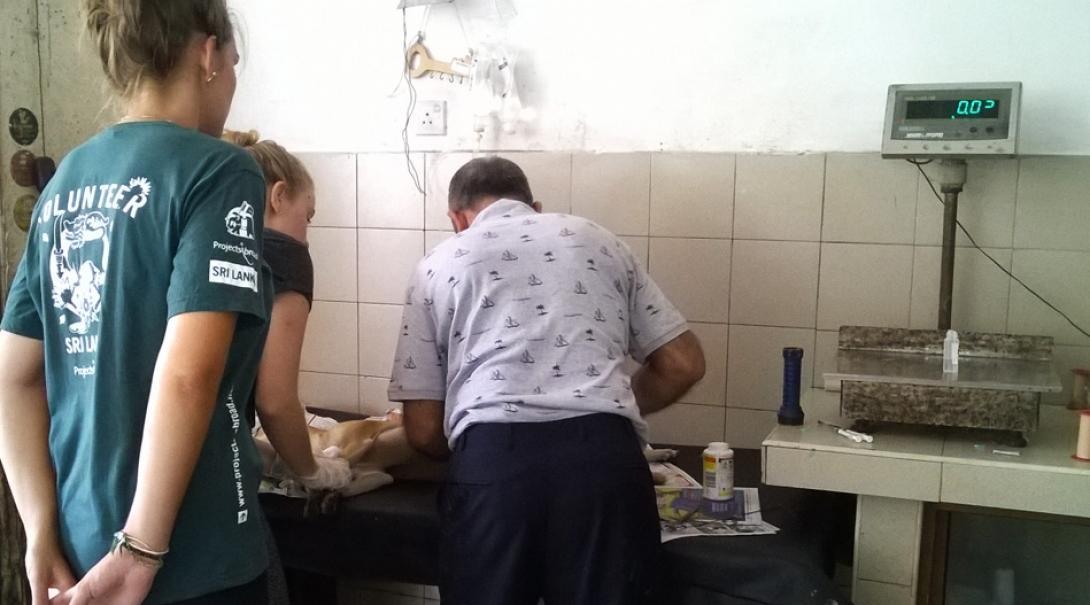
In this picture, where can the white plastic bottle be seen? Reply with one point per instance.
(950, 348)
(718, 471)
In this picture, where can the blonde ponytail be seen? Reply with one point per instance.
(138, 40)
(276, 162)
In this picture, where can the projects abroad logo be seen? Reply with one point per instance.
(248, 255)
(240, 221)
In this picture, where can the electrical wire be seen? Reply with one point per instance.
(969, 236)
(410, 165)
(419, 38)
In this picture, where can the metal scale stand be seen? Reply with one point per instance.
(895, 375)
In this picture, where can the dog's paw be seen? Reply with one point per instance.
(365, 482)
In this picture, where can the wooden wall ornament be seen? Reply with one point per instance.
(22, 211)
(23, 126)
(22, 168)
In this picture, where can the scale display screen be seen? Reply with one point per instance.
(952, 109)
(954, 120)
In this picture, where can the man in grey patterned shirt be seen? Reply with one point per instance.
(512, 362)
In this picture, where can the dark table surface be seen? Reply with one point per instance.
(392, 534)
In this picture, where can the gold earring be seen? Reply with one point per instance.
(212, 77)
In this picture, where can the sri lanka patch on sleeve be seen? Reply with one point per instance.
(231, 274)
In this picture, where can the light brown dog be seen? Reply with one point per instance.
(358, 438)
(378, 450)
(373, 447)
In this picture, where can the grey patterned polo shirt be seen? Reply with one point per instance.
(528, 317)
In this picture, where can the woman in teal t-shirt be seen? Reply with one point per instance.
(133, 331)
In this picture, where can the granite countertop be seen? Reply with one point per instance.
(973, 372)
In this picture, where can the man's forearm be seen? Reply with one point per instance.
(669, 372)
(435, 447)
(424, 428)
(654, 391)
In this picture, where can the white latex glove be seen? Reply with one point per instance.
(657, 455)
(333, 472)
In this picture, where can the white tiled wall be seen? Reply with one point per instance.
(712, 390)
(384, 202)
(986, 207)
(779, 197)
(614, 190)
(1052, 211)
(386, 262)
(700, 183)
(379, 326)
(981, 291)
(755, 366)
(759, 251)
(688, 423)
(864, 284)
(335, 276)
(330, 345)
(774, 283)
(694, 274)
(869, 200)
(334, 177)
(1060, 277)
(354, 592)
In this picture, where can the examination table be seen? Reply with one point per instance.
(392, 534)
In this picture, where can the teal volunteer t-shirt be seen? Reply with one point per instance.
(143, 222)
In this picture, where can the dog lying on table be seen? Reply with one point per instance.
(373, 447)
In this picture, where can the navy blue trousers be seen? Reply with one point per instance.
(561, 510)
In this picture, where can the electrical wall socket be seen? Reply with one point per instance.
(431, 118)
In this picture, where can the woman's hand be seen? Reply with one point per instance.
(47, 569)
(118, 579)
(332, 472)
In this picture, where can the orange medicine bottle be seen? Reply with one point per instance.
(718, 471)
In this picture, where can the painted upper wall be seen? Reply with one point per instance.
(709, 75)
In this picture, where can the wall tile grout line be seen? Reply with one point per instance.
(650, 188)
(359, 322)
(855, 243)
(571, 183)
(706, 405)
(915, 238)
(337, 301)
(852, 242)
(424, 196)
(821, 244)
(359, 285)
(355, 374)
(730, 290)
(1014, 232)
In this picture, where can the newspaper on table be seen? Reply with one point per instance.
(282, 487)
(668, 475)
(684, 513)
